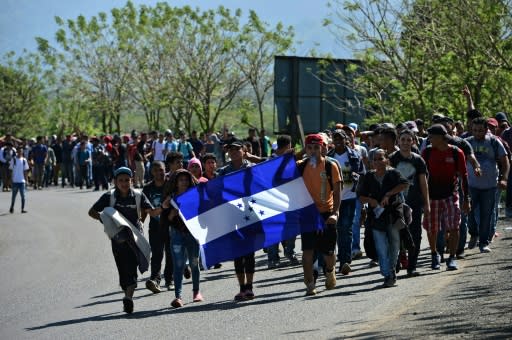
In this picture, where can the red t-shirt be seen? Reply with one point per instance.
(443, 172)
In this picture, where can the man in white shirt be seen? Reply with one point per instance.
(158, 148)
(19, 167)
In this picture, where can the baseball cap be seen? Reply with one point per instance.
(437, 130)
(315, 139)
(123, 170)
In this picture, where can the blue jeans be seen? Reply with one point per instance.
(181, 245)
(387, 245)
(344, 230)
(15, 188)
(495, 216)
(356, 227)
(483, 200)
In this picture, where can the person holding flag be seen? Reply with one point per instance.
(324, 185)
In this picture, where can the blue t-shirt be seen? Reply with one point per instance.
(487, 152)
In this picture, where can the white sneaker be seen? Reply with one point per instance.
(485, 249)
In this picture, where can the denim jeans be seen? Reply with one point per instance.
(21, 188)
(356, 227)
(344, 230)
(387, 245)
(483, 200)
(181, 245)
(495, 216)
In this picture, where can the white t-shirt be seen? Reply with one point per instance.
(18, 169)
(159, 150)
(347, 192)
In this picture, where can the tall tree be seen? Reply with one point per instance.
(417, 55)
(256, 58)
(23, 101)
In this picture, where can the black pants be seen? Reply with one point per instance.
(245, 264)
(99, 177)
(126, 262)
(160, 245)
(415, 229)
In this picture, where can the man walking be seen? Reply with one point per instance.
(324, 185)
(446, 164)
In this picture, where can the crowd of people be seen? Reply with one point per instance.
(393, 181)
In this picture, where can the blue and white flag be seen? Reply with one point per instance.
(249, 209)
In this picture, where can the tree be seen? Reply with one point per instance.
(417, 55)
(91, 62)
(22, 103)
(258, 48)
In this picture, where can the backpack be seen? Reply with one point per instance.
(138, 198)
(455, 152)
(328, 169)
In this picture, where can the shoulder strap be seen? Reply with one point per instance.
(428, 150)
(455, 151)
(328, 168)
(138, 198)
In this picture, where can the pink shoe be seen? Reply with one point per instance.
(240, 296)
(197, 297)
(177, 303)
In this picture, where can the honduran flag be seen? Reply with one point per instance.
(249, 209)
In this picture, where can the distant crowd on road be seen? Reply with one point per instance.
(393, 181)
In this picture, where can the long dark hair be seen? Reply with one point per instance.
(171, 186)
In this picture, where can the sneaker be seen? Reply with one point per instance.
(310, 289)
(240, 296)
(293, 260)
(345, 269)
(197, 297)
(272, 265)
(404, 261)
(389, 282)
(472, 242)
(153, 286)
(169, 286)
(436, 261)
(357, 255)
(249, 295)
(485, 249)
(24, 211)
(451, 264)
(187, 272)
(127, 305)
(373, 263)
(330, 279)
(461, 256)
(11, 210)
(412, 273)
(177, 303)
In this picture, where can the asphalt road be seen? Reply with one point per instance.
(59, 281)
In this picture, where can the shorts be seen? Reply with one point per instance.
(324, 241)
(444, 212)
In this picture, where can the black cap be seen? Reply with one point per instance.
(234, 142)
(437, 130)
(501, 117)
